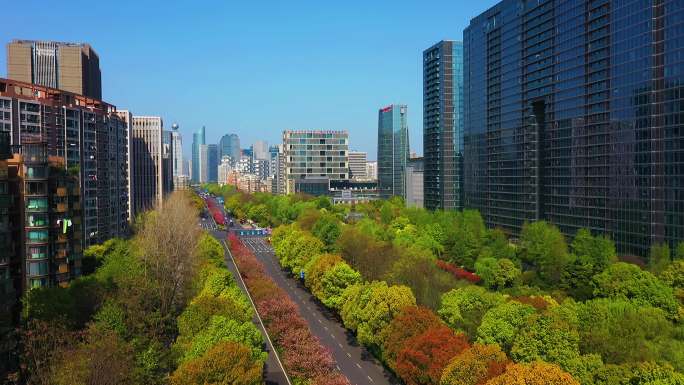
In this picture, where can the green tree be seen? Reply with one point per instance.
(334, 281)
(226, 363)
(368, 308)
(502, 323)
(599, 249)
(621, 331)
(550, 336)
(463, 308)
(623, 280)
(679, 253)
(497, 273)
(674, 274)
(221, 328)
(659, 257)
(543, 246)
(468, 238)
(327, 229)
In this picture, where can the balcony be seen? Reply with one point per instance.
(61, 208)
(61, 253)
(63, 268)
(61, 191)
(62, 238)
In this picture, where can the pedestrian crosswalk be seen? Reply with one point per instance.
(257, 244)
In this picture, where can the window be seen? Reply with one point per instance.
(37, 252)
(38, 268)
(37, 236)
(37, 204)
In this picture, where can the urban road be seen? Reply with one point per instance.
(353, 360)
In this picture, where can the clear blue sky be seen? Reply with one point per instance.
(254, 67)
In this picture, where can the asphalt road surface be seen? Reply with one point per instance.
(353, 360)
(273, 373)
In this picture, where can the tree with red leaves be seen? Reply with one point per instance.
(425, 356)
(410, 322)
(458, 272)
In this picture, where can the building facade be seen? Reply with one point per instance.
(260, 150)
(315, 154)
(198, 139)
(372, 170)
(203, 164)
(415, 174)
(357, 165)
(89, 136)
(572, 117)
(177, 163)
(230, 145)
(67, 66)
(212, 163)
(443, 125)
(148, 162)
(393, 150)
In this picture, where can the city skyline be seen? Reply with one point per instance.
(346, 58)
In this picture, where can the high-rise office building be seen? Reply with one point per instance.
(260, 150)
(91, 138)
(415, 170)
(212, 163)
(230, 145)
(66, 66)
(203, 164)
(167, 161)
(314, 154)
(393, 150)
(198, 139)
(148, 163)
(443, 125)
(357, 165)
(177, 145)
(571, 116)
(277, 169)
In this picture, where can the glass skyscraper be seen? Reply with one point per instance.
(393, 150)
(212, 162)
(230, 145)
(198, 139)
(443, 125)
(574, 115)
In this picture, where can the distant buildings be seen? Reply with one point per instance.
(67, 66)
(393, 150)
(260, 150)
(177, 146)
(224, 169)
(212, 163)
(313, 155)
(150, 162)
(230, 145)
(202, 164)
(415, 169)
(198, 139)
(443, 125)
(357, 165)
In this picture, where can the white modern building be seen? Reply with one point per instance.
(358, 165)
(315, 154)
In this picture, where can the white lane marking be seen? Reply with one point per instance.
(348, 355)
(358, 366)
(369, 377)
(340, 345)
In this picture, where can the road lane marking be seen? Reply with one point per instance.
(348, 355)
(358, 366)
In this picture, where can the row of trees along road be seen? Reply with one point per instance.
(542, 310)
(157, 308)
